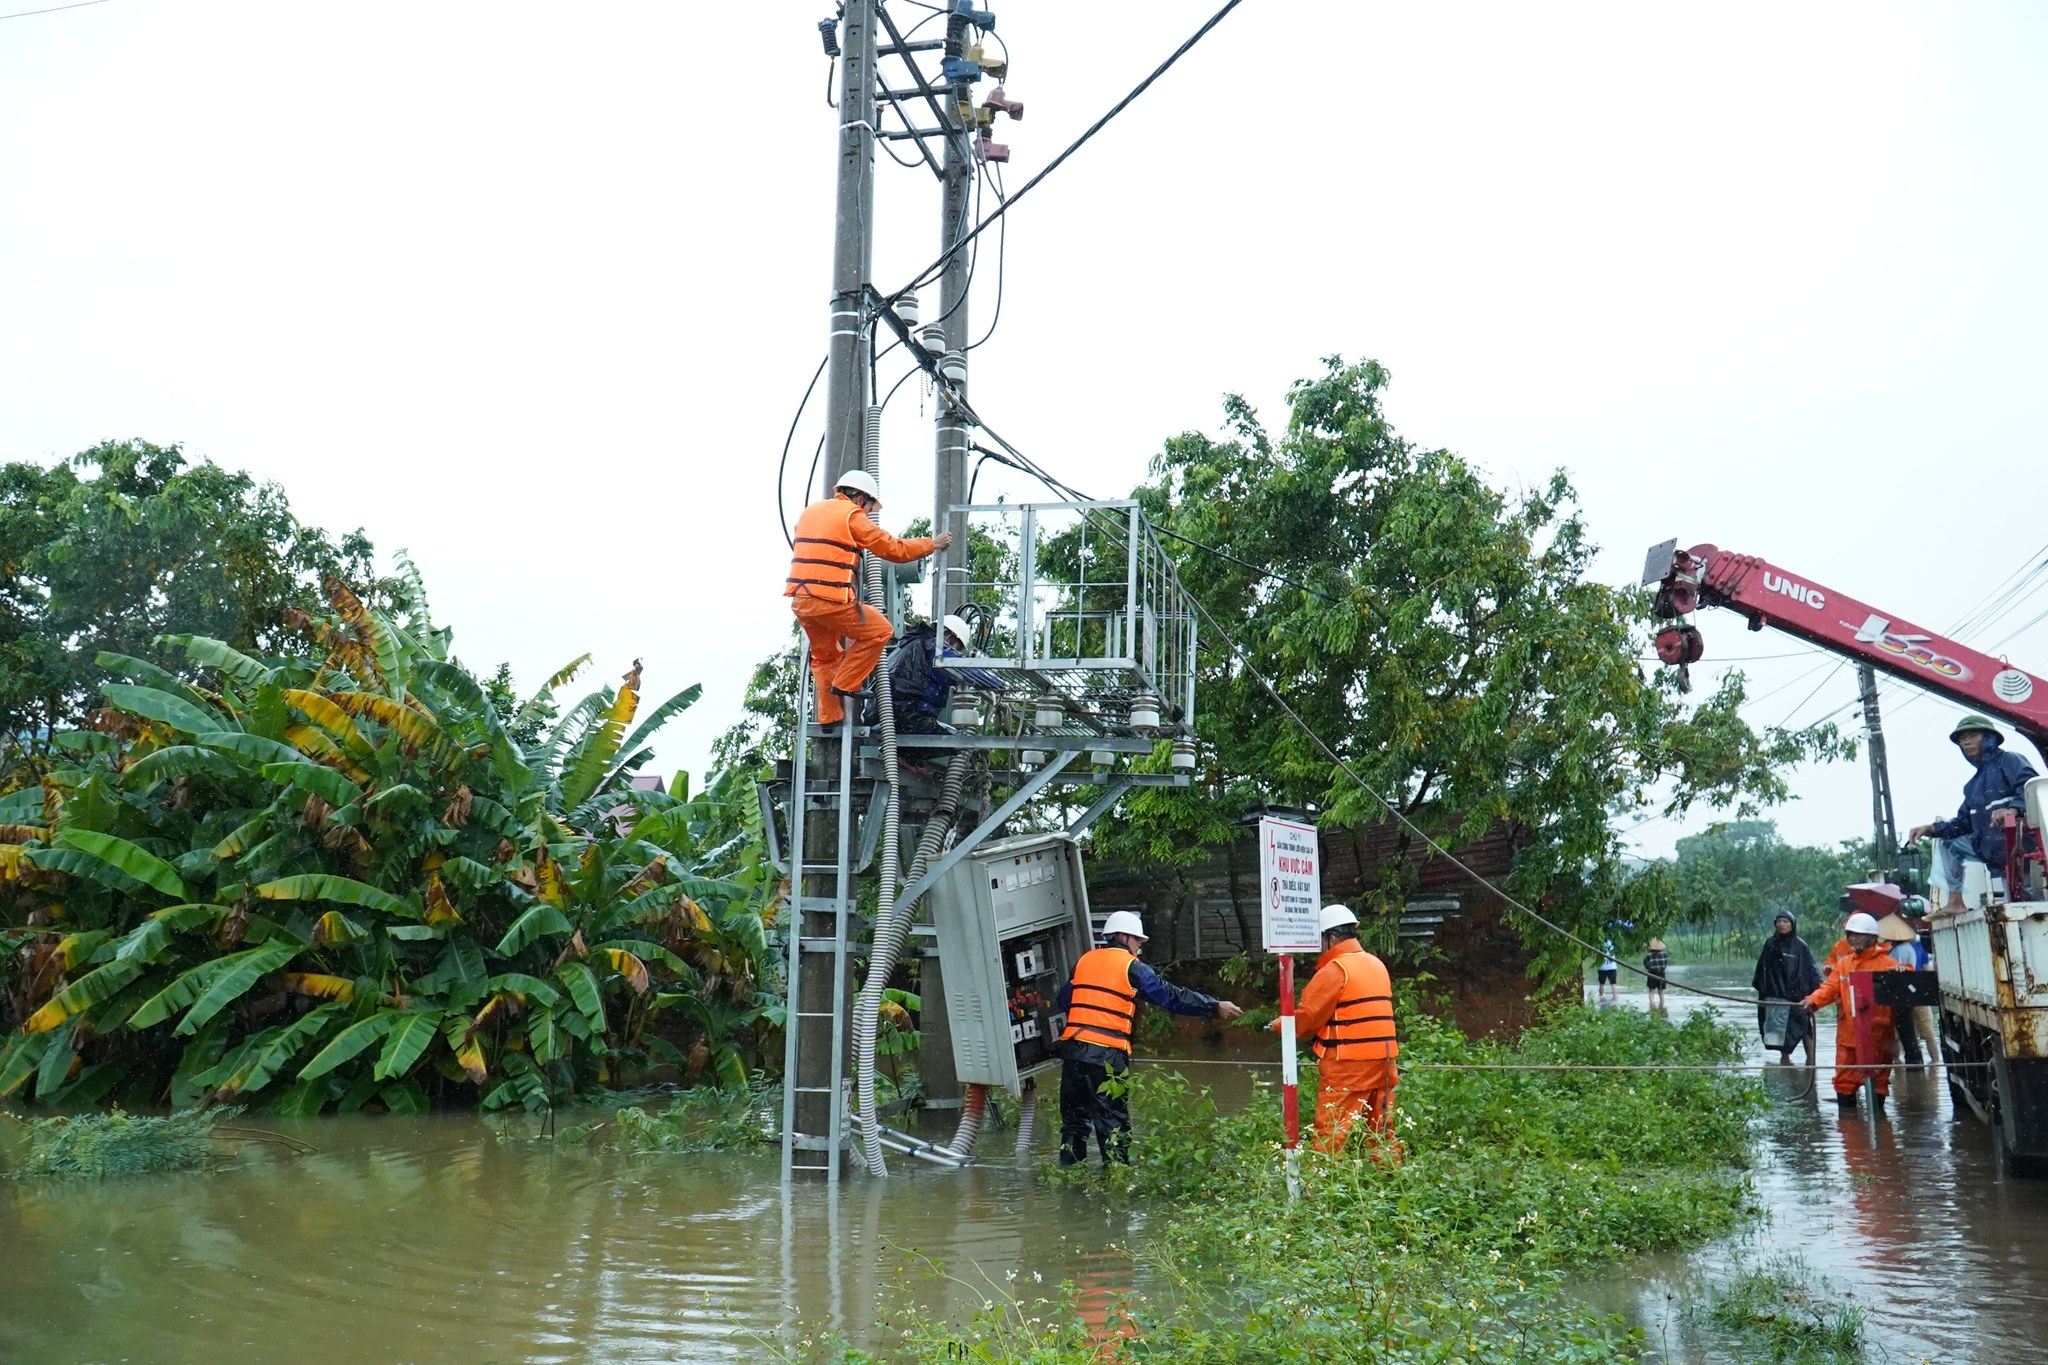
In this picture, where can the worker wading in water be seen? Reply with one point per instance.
(1095, 1046)
(1858, 950)
(1347, 1014)
(846, 634)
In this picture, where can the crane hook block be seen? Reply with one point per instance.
(1680, 645)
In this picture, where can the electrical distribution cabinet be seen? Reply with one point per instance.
(1012, 919)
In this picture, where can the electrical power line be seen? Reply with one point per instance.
(931, 271)
(27, 13)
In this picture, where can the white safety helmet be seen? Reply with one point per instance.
(860, 481)
(1860, 923)
(1124, 922)
(957, 628)
(1334, 917)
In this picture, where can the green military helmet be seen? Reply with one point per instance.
(1973, 721)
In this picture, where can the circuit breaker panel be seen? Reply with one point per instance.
(1012, 920)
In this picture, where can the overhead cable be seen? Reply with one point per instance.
(931, 271)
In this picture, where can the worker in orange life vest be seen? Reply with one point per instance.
(1347, 1013)
(846, 634)
(1095, 1046)
(1858, 950)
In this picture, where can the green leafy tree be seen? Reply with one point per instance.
(130, 541)
(1734, 877)
(1445, 638)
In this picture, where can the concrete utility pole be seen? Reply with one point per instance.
(949, 489)
(1885, 830)
(949, 567)
(815, 1106)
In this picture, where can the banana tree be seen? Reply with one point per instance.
(333, 878)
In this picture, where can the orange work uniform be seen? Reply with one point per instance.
(1852, 1070)
(1347, 1012)
(846, 635)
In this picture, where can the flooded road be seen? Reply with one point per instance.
(435, 1240)
(1910, 1217)
(452, 1239)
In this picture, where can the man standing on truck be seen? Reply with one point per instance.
(1858, 950)
(1992, 801)
(1101, 1002)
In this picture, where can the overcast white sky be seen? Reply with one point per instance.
(532, 290)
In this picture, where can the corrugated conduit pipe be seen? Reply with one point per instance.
(1027, 1114)
(970, 1120)
(881, 961)
(892, 932)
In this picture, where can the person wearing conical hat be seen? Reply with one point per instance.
(1656, 963)
(1992, 801)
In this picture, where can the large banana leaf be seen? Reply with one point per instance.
(181, 760)
(212, 986)
(320, 986)
(325, 783)
(253, 747)
(351, 1041)
(94, 988)
(125, 858)
(157, 705)
(273, 1049)
(58, 1059)
(541, 919)
(147, 940)
(320, 886)
(141, 671)
(582, 986)
(223, 658)
(586, 766)
(408, 1039)
(415, 729)
(525, 987)
(20, 1058)
(644, 731)
(329, 717)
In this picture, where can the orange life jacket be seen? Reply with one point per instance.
(826, 559)
(1104, 1002)
(1362, 1026)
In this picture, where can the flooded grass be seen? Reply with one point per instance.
(1512, 1182)
(1783, 1313)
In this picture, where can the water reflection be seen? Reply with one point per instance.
(1908, 1217)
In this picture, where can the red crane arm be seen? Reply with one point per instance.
(1838, 623)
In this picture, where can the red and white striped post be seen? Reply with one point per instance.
(1290, 1066)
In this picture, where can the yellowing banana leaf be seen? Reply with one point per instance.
(324, 713)
(335, 928)
(594, 752)
(320, 886)
(319, 986)
(415, 729)
(440, 909)
(548, 880)
(24, 834)
(94, 988)
(629, 966)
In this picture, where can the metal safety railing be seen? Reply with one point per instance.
(1078, 614)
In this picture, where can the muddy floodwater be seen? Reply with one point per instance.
(453, 1239)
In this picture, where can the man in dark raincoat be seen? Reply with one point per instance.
(1786, 971)
(1992, 801)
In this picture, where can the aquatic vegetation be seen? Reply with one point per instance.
(701, 1120)
(1784, 1313)
(117, 1143)
(1458, 1252)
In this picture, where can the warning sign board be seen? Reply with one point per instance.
(1290, 886)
